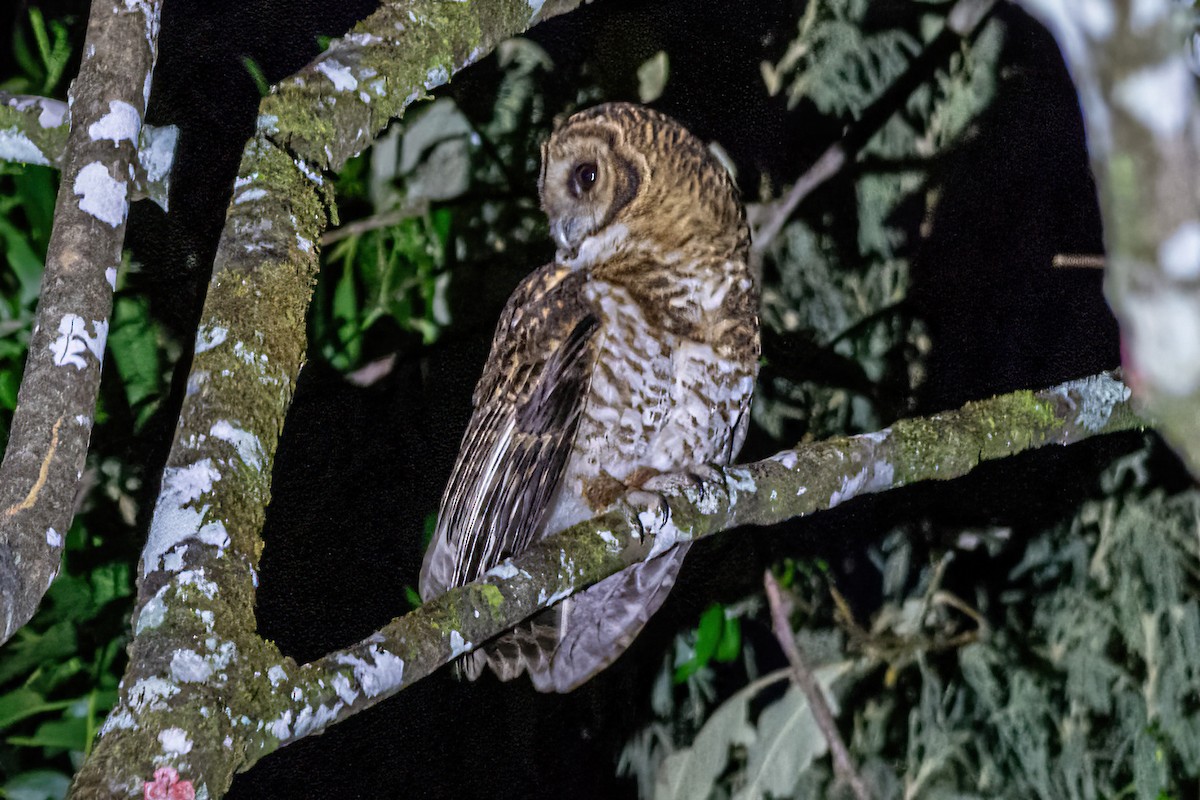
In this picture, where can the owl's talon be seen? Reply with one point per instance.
(657, 512)
(694, 478)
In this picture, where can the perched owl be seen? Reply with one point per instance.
(632, 354)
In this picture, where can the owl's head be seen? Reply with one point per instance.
(620, 173)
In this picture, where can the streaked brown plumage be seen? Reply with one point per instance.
(632, 354)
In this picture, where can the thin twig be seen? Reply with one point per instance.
(962, 22)
(1077, 261)
(825, 167)
(385, 220)
(843, 767)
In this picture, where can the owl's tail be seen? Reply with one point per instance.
(564, 647)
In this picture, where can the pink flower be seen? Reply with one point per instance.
(167, 786)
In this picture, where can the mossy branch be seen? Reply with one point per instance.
(791, 484)
(53, 420)
(200, 679)
(1130, 66)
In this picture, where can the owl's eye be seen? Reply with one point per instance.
(584, 177)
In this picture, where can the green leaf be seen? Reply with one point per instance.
(133, 343)
(788, 740)
(652, 77)
(691, 772)
(67, 734)
(36, 189)
(257, 75)
(112, 581)
(24, 262)
(42, 784)
(29, 649)
(25, 702)
(730, 646)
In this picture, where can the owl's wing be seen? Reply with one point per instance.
(527, 408)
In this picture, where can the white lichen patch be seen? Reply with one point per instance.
(267, 123)
(303, 244)
(311, 720)
(119, 720)
(382, 672)
(1179, 254)
(188, 666)
(209, 337)
(175, 521)
(870, 478)
(175, 741)
(339, 74)
(153, 613)
(195, 578)
(74, 340)
(121, 123)
(110, 277)
(53, 538)
(151, 694)
(16, 146)
(276, 675)
(247, 445)
(101, 195)
(1098, 395)
(53, 112)
(281, 728)
(313, 175)
(739, 479)
(787, 458)
(504, 570)
(341, 685)
(1159, 97)
(436, 77)
(250, 195)
(174, 560)
(458, 645)
(611, 542)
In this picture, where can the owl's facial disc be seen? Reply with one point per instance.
(583, 185)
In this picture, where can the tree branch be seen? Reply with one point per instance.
(1138, 95)
(33, 130)
(200, 678)
(53, 419)
(803, 677)
(790, 484)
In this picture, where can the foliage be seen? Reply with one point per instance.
(837, 278)
(438, 193)
(1072, 677)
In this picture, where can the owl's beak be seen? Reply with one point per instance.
(565, 231)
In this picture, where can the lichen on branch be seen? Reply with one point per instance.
(790, 484)
(53, 419)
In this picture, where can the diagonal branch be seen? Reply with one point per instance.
(195, 646)
(791, 484)
(53, 419)
(962, 22)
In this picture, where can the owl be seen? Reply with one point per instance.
(630, 356)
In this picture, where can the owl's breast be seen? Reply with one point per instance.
(656, 400)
